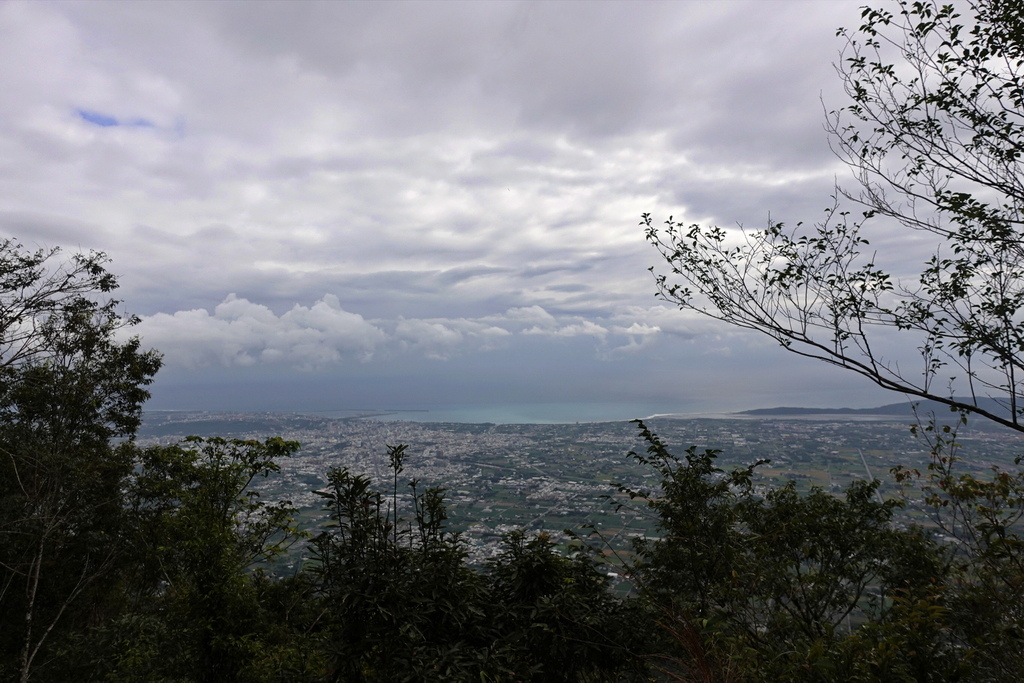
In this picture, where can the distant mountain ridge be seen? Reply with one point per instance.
(903, 409)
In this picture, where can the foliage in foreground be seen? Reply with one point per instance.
(742, 583)
(774, 585)
(406, 606)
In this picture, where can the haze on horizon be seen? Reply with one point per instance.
(322, 205)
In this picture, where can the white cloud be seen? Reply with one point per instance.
(530, 314)
(669, 320)
(441, 339)
(583, 328)
(641, 329)
(241, 333)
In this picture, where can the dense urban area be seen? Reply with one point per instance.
(558, 477)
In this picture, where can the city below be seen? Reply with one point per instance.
(558, 477)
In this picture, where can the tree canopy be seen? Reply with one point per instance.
(68, 387)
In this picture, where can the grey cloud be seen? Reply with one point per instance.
(578, 329)
(596, 70)
(445, 171)
(752, 199)
(533, 61)
(574, 287)
(38, 229)
(461, 274)
(528, 314)
(548, 269)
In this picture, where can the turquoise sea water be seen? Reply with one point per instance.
(526, 413)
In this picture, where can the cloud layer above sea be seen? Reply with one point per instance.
(332, 191)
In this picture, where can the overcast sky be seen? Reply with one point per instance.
(321, 205)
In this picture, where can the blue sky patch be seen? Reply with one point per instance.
(96, 118)
(106, 121)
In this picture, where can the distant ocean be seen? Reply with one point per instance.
(524, 413)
